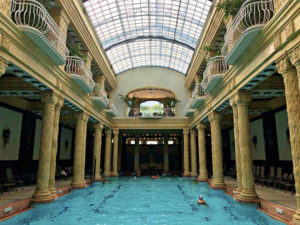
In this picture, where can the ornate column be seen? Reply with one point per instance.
(42, 185)
(295, 60)
(79, 152)
(217, 155)
(5, 7)
(193, 172)
(115, 154)
(107, 163)
(58, 106)
(166, 154)
(186, 169)
(137, 153)
(292, 96)
(203, 176)
(97, 150)
(236, 147)
(242, 101)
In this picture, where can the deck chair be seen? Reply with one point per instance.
(280, 183)
(10, 178)
(278, 178)
(262, 177)
(256, 174)
(289, 183)
(271, 177)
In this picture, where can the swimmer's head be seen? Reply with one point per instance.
(200, 197)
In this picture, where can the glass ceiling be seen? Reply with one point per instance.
(136, 33)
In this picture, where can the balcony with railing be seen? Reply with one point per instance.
(112, 110)
(249, 21)
(142, 113)
(198, 96)
(80, 73)
(188, 110)
(213, 73)
(100, 96)
(36, 23)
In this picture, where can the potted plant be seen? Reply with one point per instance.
(170, 103)
(230, 7)
(133, 103)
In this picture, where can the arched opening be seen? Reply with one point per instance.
(150, 102)
(152, 108)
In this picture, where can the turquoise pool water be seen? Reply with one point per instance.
(143, 201)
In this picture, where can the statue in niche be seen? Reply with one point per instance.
(254, 141)
(6, 136)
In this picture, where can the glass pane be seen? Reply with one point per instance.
(138, 33)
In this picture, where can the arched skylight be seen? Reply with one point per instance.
(137, 33)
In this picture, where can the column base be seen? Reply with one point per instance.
(53, 192)
(186, 174)
(202, 179)
(296, 218)
(193, 174)
(105, 174)
(42, 197)
(248, 196)
(78, 184)
(115, 174)
(98, 179)
(217, 185)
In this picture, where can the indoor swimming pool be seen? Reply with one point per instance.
(128, 201)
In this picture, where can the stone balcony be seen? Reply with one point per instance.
(112, 110)
(36, 23)
(188, 110)
(213, 73)
(198, 96)
(100, 96)
(80, 73)
(249, 21)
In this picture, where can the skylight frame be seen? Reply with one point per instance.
(134, 33)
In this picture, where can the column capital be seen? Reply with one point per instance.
(3, 65)
(284, 65)
(60, 101)
(49, 97)
(192, 132)
(60, 12)
(82, 116)
(232, 102)
(201, 126)
(214, 116)
(185, 130)
(295, 56)
(116, 131)
(98, 126)
(242, 98)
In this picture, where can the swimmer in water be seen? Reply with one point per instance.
(201, 201)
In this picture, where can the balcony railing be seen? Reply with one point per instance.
(188, 110)
(38, 25)
(251, 18)
(112, 110)
(100, 96)
(198, 96)
(80, 73)
(142, 113)
(213, 73)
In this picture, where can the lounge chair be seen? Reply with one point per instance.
(11, 179)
